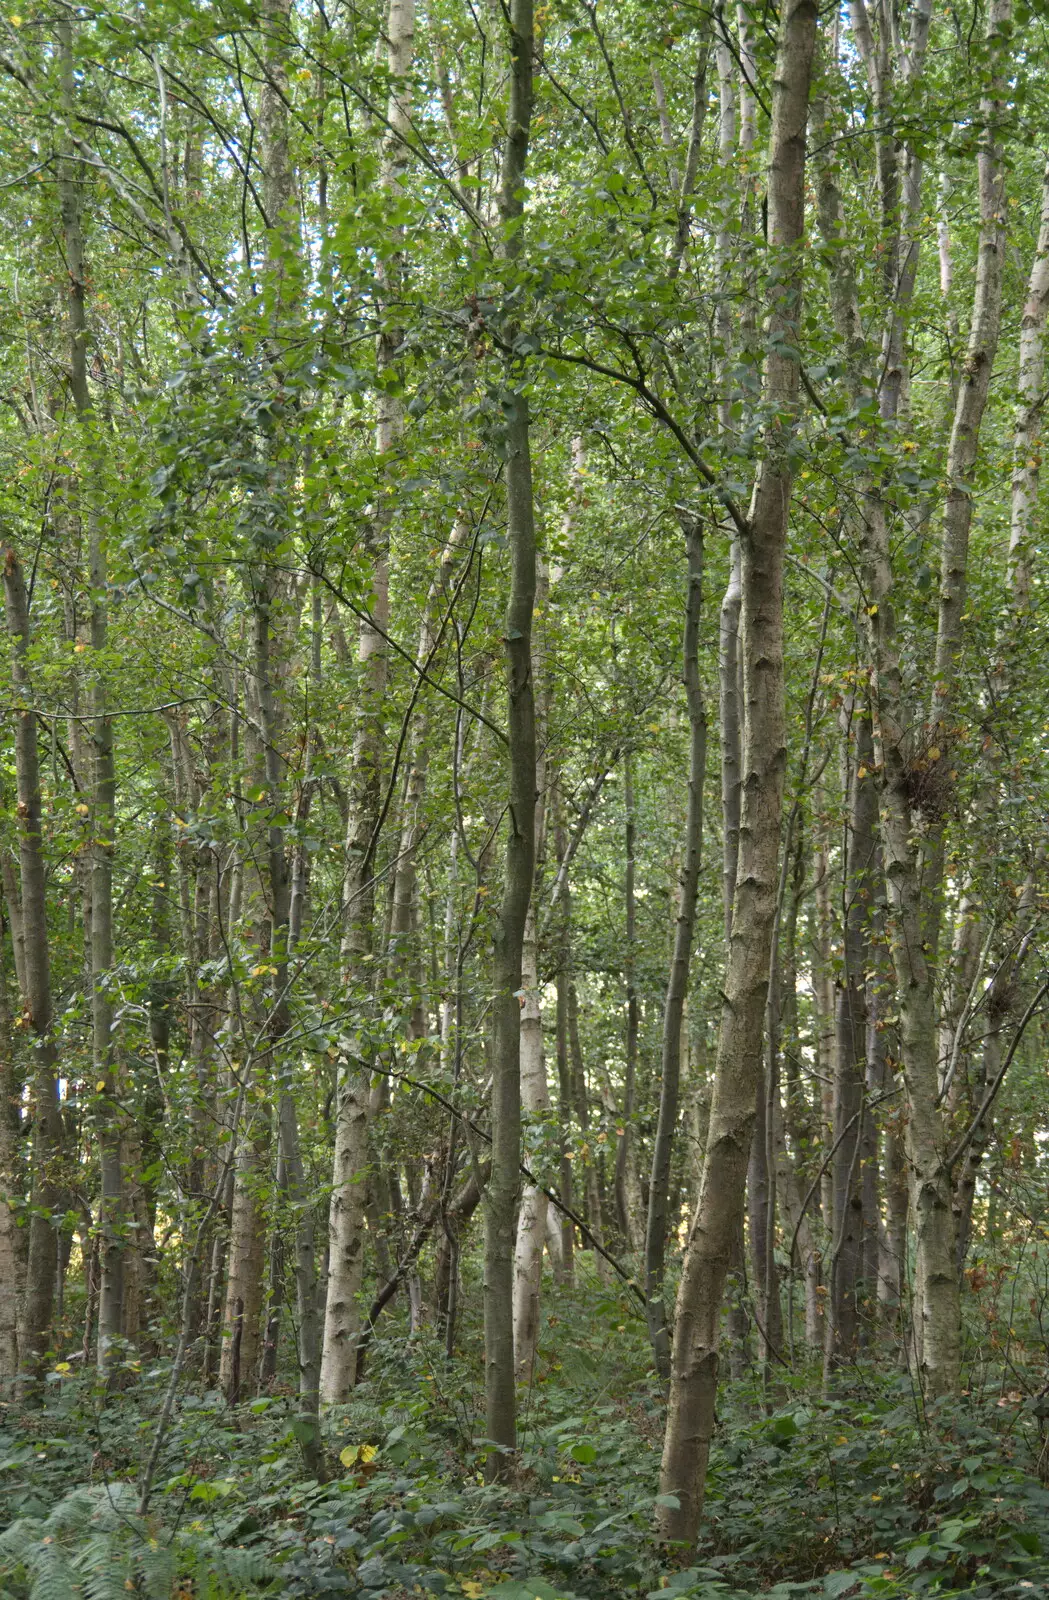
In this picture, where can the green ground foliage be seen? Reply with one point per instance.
(864, 1494)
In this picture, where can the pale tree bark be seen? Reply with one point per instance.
(658, 1218)
(346, 1219)
(738, 1066)
(564, 1059)
(267, 629)
(850, 1056)
(242, 1347)
(534, 1214)
(915, 782)
(10, 1266)
(915, 867)
(112, 1220)
(736, 137)
(1030, 404)
(284, 253)
(580, 1093)
(34, 971)
(501, 1199)
(627, 1185)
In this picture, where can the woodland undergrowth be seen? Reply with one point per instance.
(862, 1492)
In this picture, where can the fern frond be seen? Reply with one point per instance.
(104, 1566)
(73, 1511)
(115, 1505)
(227, 1574)
(155, 1566)
(16, 1541)
(53, 1577)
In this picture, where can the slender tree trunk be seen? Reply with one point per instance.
(627, 1186)
(850, 1056)
(1027, 435)
(564, 1117)
(592, 1185)
(534, 1215)
(103, 778)
(241, 1349)
(346, 1220)
(501, 1200)
(658, 1218)
(35, 975)
(297, 1190)
(914, 867)
(693, 1388)
(10, 1186)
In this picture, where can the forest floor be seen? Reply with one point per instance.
(863, 1494)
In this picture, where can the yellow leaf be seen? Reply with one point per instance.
(100, 1085)
(63, 1366)
(861, 772)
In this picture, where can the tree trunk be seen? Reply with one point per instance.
(737, 1072)
(1027, 435)
(627, 1186)
(501, 1200)
(913, 780)
(347, 1212)
(658, 1218)
(564, 1060)
(241, 1347)
(10, 1266)
(103, 776)
(850, 1055)
(534, 1215)
(35, 982)
(592, 1185)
